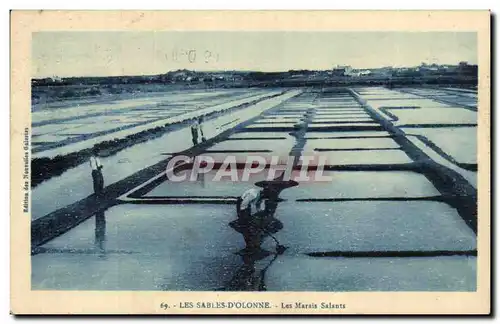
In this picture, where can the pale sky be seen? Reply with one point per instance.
(145, 53)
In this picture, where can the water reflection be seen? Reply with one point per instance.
(200, 179)
(100, 232)
(247, 278)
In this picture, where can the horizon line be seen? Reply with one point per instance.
(243, 70)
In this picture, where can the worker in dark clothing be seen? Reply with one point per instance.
(194, 132)
(97, 177)
(255, 210)
(200, 122)
(247, 205)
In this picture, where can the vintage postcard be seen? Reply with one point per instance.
(277, 162)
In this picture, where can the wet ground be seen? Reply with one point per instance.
(59, 131)
(75, 183)
(397, 215)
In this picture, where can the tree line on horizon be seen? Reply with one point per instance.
(461, 71)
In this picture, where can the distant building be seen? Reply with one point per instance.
(341, 70)
(358, 73)
(464, 68)
(384, 72)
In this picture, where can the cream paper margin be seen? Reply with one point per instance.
(23, 23)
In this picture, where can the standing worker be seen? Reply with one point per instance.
(97, 177)
(200, 122)
(194, 131)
